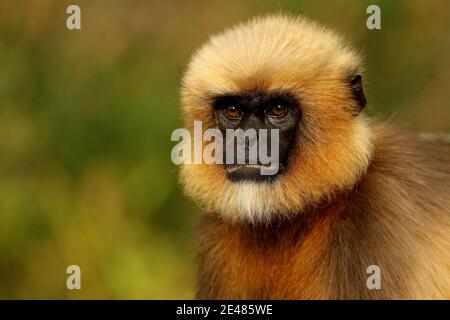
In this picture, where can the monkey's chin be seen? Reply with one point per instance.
(249, 172)
(250, 201)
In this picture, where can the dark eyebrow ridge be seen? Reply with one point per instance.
(240, 99)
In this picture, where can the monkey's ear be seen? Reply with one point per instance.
(358, 92)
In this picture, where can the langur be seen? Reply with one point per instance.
(350, 192)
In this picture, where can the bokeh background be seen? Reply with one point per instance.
(86, 118)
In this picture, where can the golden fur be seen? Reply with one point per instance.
(355, 193)
(273, 54)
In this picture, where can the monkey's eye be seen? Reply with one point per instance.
(232, 112)
(277, 111)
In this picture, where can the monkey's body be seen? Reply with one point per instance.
(352, 193)
(396, 218)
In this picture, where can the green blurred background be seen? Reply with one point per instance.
(86, 118)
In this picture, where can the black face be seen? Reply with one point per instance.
(257, 111)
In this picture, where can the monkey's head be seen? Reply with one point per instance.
(278, 73)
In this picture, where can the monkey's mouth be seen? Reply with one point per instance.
(252, 172)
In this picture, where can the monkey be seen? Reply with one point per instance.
(351, 192)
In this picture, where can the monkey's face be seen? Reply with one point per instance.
(255, 112)
(279, 74)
